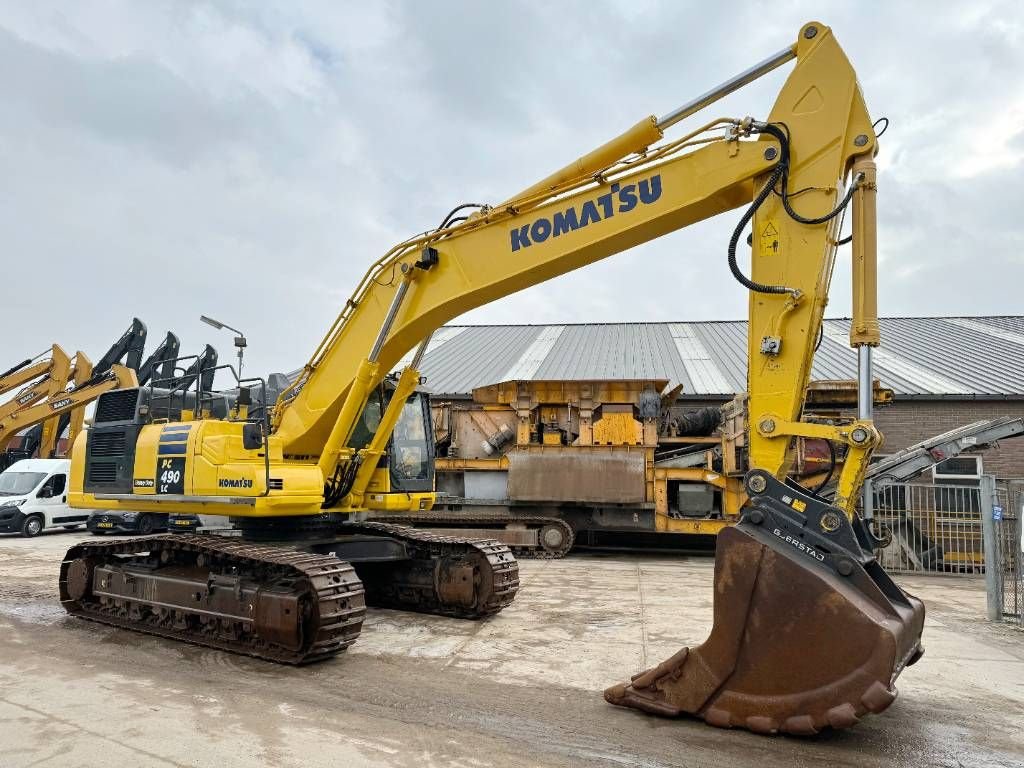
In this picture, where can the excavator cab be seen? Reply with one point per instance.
(409, 459)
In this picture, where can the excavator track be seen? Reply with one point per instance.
(272, 602)
(555, 536)
(466, 578)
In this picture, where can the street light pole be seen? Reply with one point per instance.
(240, 343)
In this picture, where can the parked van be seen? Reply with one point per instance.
(34, 497)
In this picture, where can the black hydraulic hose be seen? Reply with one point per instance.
(819, 219)
(746, 282)
(456, 209)
(342, 482)
(780, 175)
(783, 139)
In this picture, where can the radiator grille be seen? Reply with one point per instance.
(107, 443)
(118, 405)
(102, 472)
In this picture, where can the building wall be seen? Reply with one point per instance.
(910, 421)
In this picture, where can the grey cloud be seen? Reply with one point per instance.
(251, 160)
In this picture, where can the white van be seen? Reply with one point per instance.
(34, 496)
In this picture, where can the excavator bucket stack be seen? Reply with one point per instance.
(809, 631)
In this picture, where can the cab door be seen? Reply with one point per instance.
(52, 499)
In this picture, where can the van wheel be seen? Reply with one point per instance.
(32, 526)
(145, 525)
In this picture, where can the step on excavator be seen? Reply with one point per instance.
(809, 631)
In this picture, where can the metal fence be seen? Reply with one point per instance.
(959, 529)
(934, 528)
(1008, 577)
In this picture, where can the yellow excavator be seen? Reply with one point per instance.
(63, 407)
(45, 402)
(45, 405)
(809, 631)
(34, 380)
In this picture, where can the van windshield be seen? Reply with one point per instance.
(19, 483)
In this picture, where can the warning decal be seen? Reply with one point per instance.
(770, 245)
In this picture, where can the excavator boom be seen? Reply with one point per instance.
(160, 364)
(66, 401)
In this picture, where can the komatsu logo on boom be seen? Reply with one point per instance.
(621, 198)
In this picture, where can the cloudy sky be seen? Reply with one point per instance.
(249, 160)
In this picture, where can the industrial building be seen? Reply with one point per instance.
(944, 371)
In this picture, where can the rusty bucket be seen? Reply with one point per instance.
(809, 631)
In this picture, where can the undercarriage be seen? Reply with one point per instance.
(296, 599)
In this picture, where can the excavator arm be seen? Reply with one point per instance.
(55, 374)
(65, 401)
(623, 194)
(52, 428)
(160, 364)
(29, 370)
(128, 348)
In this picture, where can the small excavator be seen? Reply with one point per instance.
(809, 631)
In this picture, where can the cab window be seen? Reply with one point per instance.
(53, 487)
(412, 447)
(367, 425)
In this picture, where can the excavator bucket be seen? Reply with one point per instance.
(809, 631)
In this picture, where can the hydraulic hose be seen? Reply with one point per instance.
(746, 282)
(779, 176)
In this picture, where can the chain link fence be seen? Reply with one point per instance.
(959, 530)
(1007, 515)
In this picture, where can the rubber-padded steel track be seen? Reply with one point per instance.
(327, 589)
(458, 519)
(494, 569)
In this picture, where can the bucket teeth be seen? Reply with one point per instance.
(809, 633)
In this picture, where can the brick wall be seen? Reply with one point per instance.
(909, 421)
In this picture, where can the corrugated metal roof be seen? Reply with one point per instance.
(925, 357)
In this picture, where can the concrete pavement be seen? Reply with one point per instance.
(522, 689)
